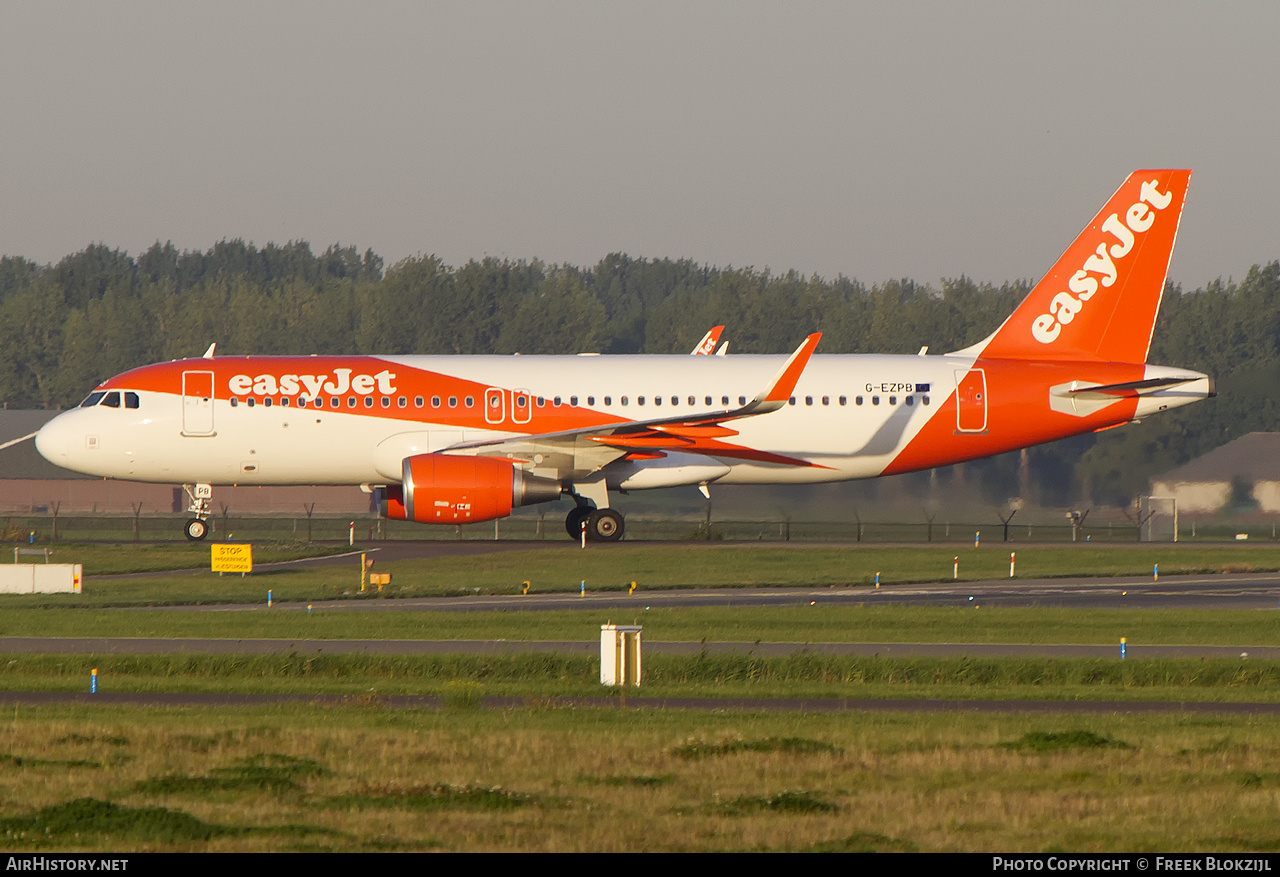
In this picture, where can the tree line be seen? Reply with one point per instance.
(66, 326)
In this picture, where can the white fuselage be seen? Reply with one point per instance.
(849, 416)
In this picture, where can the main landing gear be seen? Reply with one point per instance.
(199, 498)
(602, 525)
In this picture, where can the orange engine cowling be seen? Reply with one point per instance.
(446, 489)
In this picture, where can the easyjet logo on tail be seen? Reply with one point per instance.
(312, 385)
(1101, 267)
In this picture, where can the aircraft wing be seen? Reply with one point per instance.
(576, 453)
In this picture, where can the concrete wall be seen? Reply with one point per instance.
(1267, 493)
(1202, 496)
(1211, 496)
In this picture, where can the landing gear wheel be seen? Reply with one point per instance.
(604, 525)
(196, 530)
(573, 523)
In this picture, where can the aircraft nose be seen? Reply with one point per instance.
(54, 440)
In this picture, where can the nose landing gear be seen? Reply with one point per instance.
(199, 498)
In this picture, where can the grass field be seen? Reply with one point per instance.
(543, 676)
(363, 778)
(816, 624)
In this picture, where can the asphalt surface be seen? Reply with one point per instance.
(1231, 591)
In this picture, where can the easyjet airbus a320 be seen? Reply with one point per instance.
(460, 439)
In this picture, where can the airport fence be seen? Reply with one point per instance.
(37, 529)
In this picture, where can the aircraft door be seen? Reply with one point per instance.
(494, 409)
(521, 406)
(971, 401)
(197, 403)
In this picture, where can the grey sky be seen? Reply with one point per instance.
(875, 140)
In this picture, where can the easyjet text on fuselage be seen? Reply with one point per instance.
(342, 381)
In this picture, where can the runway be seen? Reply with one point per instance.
(1259, 591)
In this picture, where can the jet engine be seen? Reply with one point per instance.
(447, 489)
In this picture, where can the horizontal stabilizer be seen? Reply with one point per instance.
(1132, 388)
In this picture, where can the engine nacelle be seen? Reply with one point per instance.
(447, 489)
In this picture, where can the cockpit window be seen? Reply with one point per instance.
(111, 399)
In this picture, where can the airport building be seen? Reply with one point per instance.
(1243, 475)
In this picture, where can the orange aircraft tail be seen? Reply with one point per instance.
(1099, 301)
